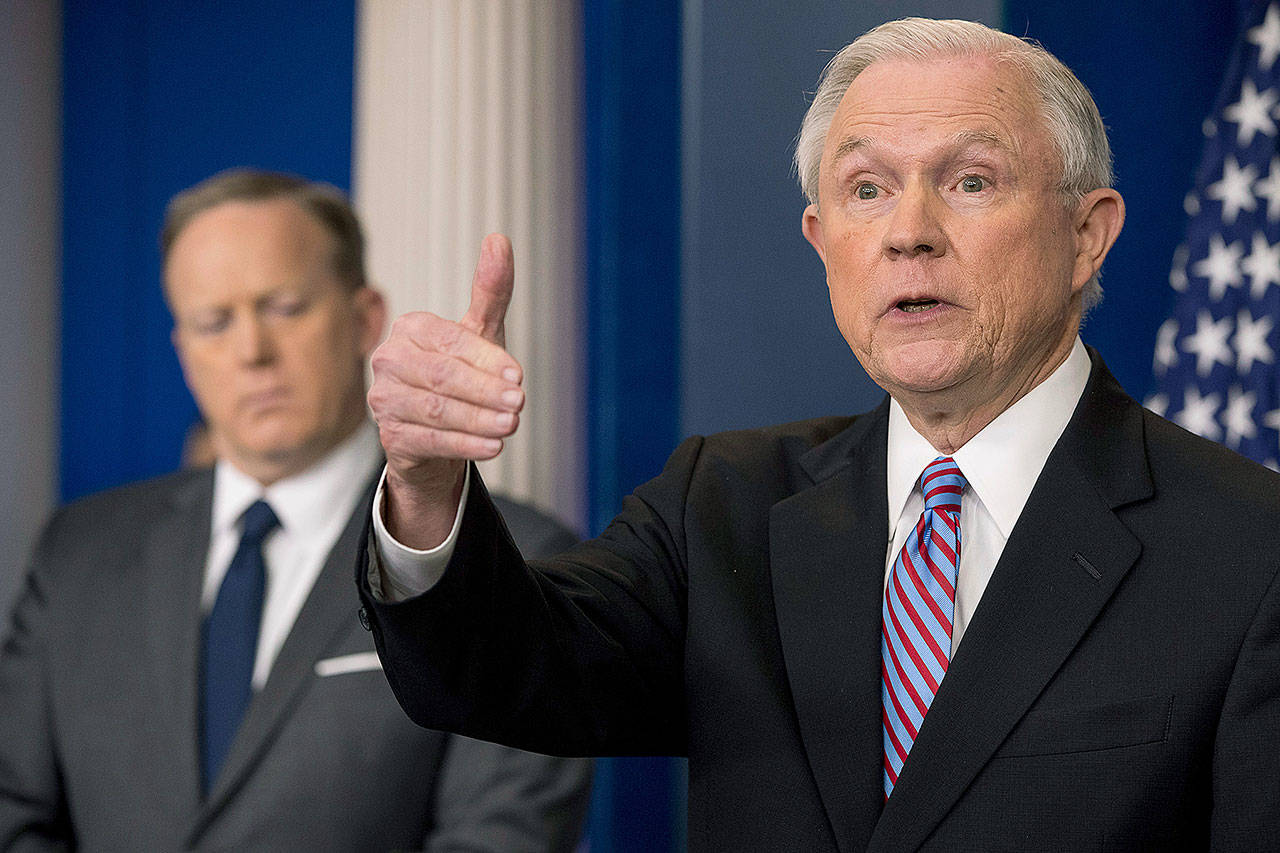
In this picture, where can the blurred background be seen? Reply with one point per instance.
(639, 154)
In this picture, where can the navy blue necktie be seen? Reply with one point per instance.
(230, 643)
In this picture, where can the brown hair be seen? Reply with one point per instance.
(326, 203)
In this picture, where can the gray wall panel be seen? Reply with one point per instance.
(29, 158)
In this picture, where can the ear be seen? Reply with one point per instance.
(1097, 224)
(811, 225)
(371, 311)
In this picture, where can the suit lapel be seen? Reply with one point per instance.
(328, 613)
(827, 552)
(1041, 600)
(173, 553)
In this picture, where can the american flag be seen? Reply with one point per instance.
(1215, 358)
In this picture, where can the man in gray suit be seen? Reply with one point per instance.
(185, 668)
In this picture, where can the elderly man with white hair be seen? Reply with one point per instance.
(1006, 610)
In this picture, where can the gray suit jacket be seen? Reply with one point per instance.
(98, 720)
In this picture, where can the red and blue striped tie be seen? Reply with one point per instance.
(919, 602)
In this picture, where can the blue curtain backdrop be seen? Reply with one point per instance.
(156, 96)
(632, 123)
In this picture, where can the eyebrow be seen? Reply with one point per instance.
(966, 138)
(959, 140)
(848, 146)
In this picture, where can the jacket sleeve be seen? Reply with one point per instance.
(579, 655)
(33, 808)
(495, 798)
(1246, 760)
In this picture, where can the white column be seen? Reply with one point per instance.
(467, 122)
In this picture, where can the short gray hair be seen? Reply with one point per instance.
(1072, 118)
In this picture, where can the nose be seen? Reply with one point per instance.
(914, 228)
(251, 341)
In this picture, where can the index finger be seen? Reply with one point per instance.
(491, 289)
(416, 338)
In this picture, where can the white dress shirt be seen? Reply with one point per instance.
(1001, 464)
(313, 508)
(401, 572)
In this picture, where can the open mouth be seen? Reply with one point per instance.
(915, 306)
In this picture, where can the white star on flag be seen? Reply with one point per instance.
(1233, 189)
(1198, 412)
(1237, 417)
(1252, 113)
(1216, 365)
(1166, 352)
(1209, 343)
(1251, 341)
(1272, 419)
(1267, 37)
(1269, 188)
(1221, 267)
(1262, 265)
(1178, 272)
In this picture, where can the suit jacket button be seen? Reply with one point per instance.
(364, 619)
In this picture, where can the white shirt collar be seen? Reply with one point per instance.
(302, 501)
(1003, 461)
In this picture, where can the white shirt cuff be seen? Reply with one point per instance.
(398, 572)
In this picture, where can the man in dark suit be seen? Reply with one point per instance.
(147, 702)
(1007, 610)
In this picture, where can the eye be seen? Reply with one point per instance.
(972, 184)
(209, 323)
(866, 192)
(286, 306)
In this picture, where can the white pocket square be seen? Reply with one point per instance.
(358, 662)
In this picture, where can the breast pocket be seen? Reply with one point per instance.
(347, 664)
(1113, 725)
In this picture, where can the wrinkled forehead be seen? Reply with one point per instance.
(973, 99)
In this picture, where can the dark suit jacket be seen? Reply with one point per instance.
(1117, 689)
(98, 722)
